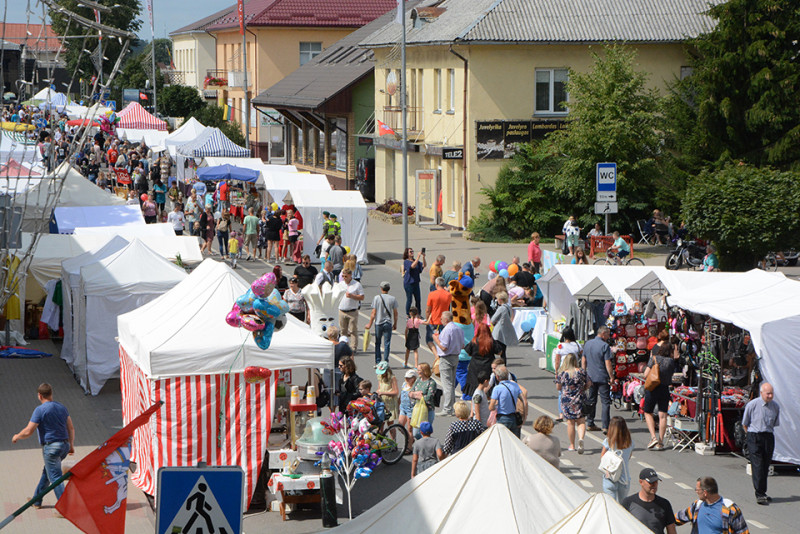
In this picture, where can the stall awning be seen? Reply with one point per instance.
(227, 172)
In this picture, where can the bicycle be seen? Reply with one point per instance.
(612, 258)
(773, 260)
(392, 449)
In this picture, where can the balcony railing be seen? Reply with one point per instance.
(216, 78)
(393, 118)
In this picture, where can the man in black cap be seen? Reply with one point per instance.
(653, 511)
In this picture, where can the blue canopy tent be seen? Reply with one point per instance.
(227, 172)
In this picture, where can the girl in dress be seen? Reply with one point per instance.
(572, 383)
(412, 335)
(407, 405)
(388, 391)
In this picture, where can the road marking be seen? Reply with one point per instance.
(683, 486)
(646, 466)
(757, 524)
(585, 483)
(665, 476)
(566, 462)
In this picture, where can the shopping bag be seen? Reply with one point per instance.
(367, 334)
(611, 465)
(492, 419)
(419, 414)
(435, 368)
(653, 378)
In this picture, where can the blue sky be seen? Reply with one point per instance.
(168, 14)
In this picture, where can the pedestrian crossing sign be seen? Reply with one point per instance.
(200, 500)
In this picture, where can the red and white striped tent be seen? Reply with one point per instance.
(134, 116)
(179, 349)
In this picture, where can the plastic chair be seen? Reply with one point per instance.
(644, 237)
(682, 432)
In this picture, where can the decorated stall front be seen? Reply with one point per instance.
(181, 349)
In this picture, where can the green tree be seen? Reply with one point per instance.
(124, 16)
(179, 101)
(212, 116)
(163, 51)
(721, 205)
(613, 117)
(523, 199)
(740, 103)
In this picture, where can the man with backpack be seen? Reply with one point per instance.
(384, 315)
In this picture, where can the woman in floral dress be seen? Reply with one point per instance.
(572, 383)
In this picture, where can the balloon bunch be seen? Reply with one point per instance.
(261, 311)
(353, 449)
(504, 269)
(108, 122)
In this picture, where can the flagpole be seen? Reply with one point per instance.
(153, 32)
(402, 14)
(246, 111)
(39, 497)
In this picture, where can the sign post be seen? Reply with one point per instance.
(606, 175)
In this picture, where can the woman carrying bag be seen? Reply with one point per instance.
(658, 377)
(614, 459)
(424, 389)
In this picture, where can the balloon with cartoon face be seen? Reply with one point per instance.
(260, 310)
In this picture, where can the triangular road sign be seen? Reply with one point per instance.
(200, 513)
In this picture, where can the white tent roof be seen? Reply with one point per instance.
(495, 484)
(52, 249)
(71, 267)
(134, 269)
(128, 231)
(279, 184)
(189, 131)
(675, 282)
(600, 514)
(69, 218)
(184, 332)
(12, 147)
(764, 304)
(76, 191)
(350, 211)
(564, 283)
(248, 163)
(151, 138)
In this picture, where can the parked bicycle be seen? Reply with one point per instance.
(773, 260)
(612, 258)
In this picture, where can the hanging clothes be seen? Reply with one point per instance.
(581, 319)
(12, 307)
(52, 311)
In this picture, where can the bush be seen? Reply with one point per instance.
(746, 211)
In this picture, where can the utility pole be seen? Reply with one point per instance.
(402, 15)
(246, 110)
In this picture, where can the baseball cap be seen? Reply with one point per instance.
(332, 215)
(326, 213)
(425, 427)
(649, 474)
(411, 373)
(385, 286)
(381, 368)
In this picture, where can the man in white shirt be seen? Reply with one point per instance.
(348, 307)
(177, 219)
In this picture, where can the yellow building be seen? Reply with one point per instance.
(281, 36)
(195, 53)
(493, 73)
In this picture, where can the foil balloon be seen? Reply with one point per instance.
(260, 310)
(264, 285)
(263, 337)
(245, 302)
(253, 375)
(233, 318)
(252, 323)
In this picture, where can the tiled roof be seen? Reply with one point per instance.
(549, 21)
(205, 22)
(310, 13)
(338, 67)
(28, 35)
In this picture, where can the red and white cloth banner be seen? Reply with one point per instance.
(150, 12)
(188, 430)
(383, 129)
(240, 10)
(96, 496)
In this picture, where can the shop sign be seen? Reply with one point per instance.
(426, 175)
(452, 153)
(501, 139)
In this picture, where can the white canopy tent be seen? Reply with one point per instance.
(128, 231)
(766, 305)
(350, 211)
(189, 131)
(110, 287)
(495, 484)
(70, 289)
(66, 219)
(13, 145)
(674, 282)
(249, 163)
(151, 138)
(599, 514)
(184, 331)
(75, 191)
(279, 184)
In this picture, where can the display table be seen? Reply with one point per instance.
(306, 486)
(523, 314)
(551, 343)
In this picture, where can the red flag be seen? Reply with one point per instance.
(383, 129)
(95, 498)
(142, 96)
(240, 10)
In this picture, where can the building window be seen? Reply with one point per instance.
(551, 90)
(437, 89)
(308, 51)
(451, 90)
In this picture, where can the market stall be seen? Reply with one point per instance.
(150, 137)
(135, 117)
(599, 514)
(189, 131)
(763, 306)
(280, 184)
(15, 145)
(348, 206)
(66, 219)
(108, 288)
(178, 348)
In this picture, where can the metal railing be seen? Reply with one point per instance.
(392, 117)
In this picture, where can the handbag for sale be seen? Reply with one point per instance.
(653, 379)
(611, 464)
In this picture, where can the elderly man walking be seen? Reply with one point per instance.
(384, 315)
(449, 343)
(761, 416)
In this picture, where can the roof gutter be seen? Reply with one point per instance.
(464, 135)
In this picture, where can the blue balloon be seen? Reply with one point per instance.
(245, 301)
(263, 338)
(503, 273)
(529, 324)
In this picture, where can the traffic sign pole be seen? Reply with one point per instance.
(606, 177)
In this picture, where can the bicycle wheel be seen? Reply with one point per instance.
(771, 262)
(635, 261)
(397, 441)
(602, 261)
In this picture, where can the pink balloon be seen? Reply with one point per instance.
(264, 285)
(233, 318)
